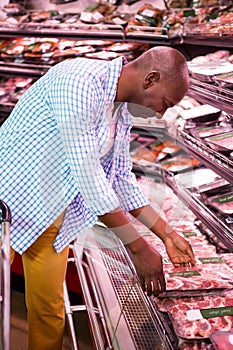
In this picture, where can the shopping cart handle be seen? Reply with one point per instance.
(5, 213)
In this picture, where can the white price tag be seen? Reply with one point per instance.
(86, 16)
(97, 16)
(193, 315)
(148, 13)
(118, 20)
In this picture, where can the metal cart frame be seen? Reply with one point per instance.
(5, 221)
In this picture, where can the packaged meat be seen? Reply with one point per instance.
(13, 9)
(103, 55)
(163, 149)
(203, 113)
(95, 42)
(222, 142)
(206, 71)
(96, 12)
(180, 163)
(219, 54)
(124, 46)
(196, 178)
(163, 304)
(194, 344)
(208, 131)
(197, 320)
(117, 18)
(224, 80)
(72, 52)
(215, 241)
(147, 15)
(223, 203)
(42, 46)
(222, 340)
(216, 187)
(190, 281)
(228, 258)
(221, 269)
(204, 249)
(142, 153)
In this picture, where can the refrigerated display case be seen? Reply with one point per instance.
(121, 316)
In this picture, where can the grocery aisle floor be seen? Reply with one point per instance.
(18, 329)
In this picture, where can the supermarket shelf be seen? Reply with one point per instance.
(156, 36)
(148, 39)
(150, 35)
(213, 160)
(219, 163)
(80, 32)
(202, 40)
(22, 69)
(217, 96)
(210, 158)
(215, 224)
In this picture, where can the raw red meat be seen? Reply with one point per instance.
(204, 327)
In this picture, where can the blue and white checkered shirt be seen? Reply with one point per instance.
(51, 148)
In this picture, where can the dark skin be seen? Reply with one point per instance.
(151, 89)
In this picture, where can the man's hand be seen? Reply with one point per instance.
(148, 265)
(179, 250)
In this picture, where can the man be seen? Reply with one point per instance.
(65, 163)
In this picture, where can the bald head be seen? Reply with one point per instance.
(157, 80)
(168, 62)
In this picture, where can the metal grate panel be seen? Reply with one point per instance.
(132, 301)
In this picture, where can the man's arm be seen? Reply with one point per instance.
(146, 259)
(178, 249)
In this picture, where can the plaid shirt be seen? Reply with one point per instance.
(51, 148)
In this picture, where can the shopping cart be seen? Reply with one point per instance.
(5, 221)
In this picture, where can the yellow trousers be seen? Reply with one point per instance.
(44, 271)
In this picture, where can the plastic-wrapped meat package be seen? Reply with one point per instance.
(221, 270)
(180, 163)
(203, 132)
(197, 320)
(222, 340)
(163, 304)
(193, 279)
(222, 142)
(223, 203)
(196, 178)
(228, 258)
(194, 345)
(201, 249)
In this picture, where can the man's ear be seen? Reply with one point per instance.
(151, 78)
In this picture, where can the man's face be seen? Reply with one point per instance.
(158, 98)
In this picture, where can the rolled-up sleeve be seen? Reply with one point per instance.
(75, 102)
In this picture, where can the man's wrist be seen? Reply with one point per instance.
(138, 245)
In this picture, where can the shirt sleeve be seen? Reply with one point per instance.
(125, 183)
(75, 103)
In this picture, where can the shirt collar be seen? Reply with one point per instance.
(114, 70)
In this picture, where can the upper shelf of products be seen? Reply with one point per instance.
(180, 161)
(219, 161)
(203, 25)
